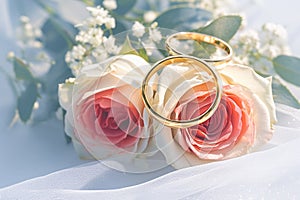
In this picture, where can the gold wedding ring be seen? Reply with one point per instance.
(197, 68)
(200, 38)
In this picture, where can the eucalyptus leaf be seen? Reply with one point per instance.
(179, 3)
(288, 67)
(183, 18)
(283, 95)
(58, 35)
(26, 101)
(67, 138)
(137, 49)
(57, 74)
(21, 70)
(224, 27)
(127, 48)
(143, 53)
(124, 6)
(120, 27)
(58, 40)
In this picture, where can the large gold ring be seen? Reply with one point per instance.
(201, 38)
(188, 62)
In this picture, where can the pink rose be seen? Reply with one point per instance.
(241, 124)
(111, 118)
(105, 112)
(230, 124)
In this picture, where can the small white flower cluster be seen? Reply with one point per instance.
(93, 46)
(148, 36)
(149, 16)
(110, 4)
(29, 35)
(274, 40)
(216, 7)
(258, 48)
(138, 30)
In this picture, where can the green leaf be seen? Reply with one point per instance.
(288, 67)
(58, 38)
(224, 27)
(183, 18)
(283, 95)
(67, 138)
(124, 6)
(58, 35)
(26, 101)
(120, 27)
(127, 48)
(58, 73)
(143, 53)
(88, 2)
(22, 70)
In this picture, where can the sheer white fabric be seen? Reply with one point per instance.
(271, 173)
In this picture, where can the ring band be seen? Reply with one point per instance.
(182, 59)
(199, 37)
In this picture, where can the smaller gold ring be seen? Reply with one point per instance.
(199, 37)
(182, 123)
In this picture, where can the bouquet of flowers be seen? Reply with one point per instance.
(90, 74)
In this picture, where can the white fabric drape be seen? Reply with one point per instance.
(271, 173)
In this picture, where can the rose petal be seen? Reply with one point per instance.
(246, 76)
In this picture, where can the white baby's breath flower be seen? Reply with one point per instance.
(75, 67)
(59, 113)
(92, 36)
(97, 11)
(10, 55)
(89, 22)
(82, 37)
(35, 44)
(68, 57)
(250, 39)
(24, 19)
(217, 7)
(36, 105)
(86, 61)
(155, 35)
(247, 43)
(99, 16)
(95, 36)
(99, 20)
(28, 34)
(149, 16)
(110, 4)
(274, 36)
(110, 46)
(78, 52)
(38, 33)
(138, 29)
(92, 45)
(270, 51)
(275, 29)
(154, 25)
(110, 23)
(99, 54)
